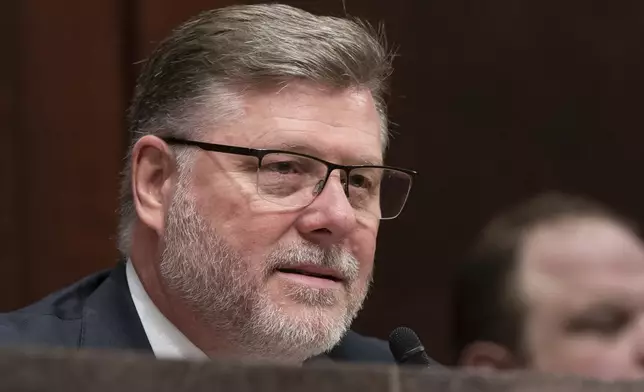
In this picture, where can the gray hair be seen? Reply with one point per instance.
(210, 60)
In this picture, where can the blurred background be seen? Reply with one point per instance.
(493, 101)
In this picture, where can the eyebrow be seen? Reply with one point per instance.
(309, 150)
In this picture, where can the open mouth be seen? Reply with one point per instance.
(320, 274)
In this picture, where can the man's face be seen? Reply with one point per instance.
(584, 286)
(280, 281)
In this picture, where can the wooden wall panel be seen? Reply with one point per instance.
(12, 266)
(71, 113)
(154, 19)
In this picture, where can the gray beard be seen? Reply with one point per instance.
(228, 293)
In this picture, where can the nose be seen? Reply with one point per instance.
(330, 217)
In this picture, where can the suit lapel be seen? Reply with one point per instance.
(322, 358)
(110, 319)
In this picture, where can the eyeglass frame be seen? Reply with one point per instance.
(260, 153)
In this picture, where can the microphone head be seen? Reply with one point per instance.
(404, 343)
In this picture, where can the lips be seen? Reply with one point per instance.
(314, 271)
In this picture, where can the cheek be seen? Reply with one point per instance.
(240, 221)
(256, 235)
(363, 246)
(591, 357)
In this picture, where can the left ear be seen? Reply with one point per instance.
(153, 176)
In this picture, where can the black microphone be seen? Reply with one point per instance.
(407, 348)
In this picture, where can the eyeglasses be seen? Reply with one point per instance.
(292, 179)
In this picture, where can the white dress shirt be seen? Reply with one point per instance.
(166, 340)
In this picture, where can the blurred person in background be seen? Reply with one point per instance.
(251, 201)
(555, 284)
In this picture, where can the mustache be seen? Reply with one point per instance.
(335, 257)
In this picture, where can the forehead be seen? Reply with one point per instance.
(337, 124)
(576, 262)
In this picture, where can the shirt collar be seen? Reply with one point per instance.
(165, 339)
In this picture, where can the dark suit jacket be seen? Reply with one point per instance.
(97, 312)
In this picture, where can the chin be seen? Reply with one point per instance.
(310, 303)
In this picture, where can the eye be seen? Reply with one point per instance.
(359, 181)
(283, 167)
(605, 321)
(366, 178)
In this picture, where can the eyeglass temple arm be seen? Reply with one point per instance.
(214, 147)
